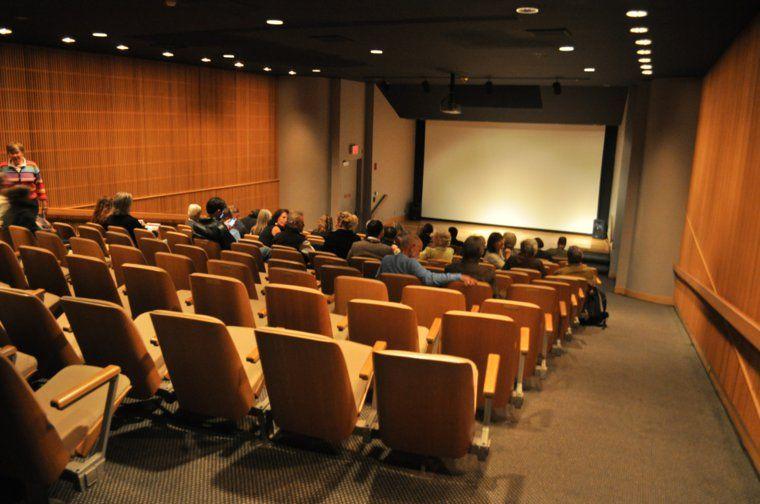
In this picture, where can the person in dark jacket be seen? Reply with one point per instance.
(526, 258)
(250, 220)
(474, 247)
(455, 242)
(292, 235)
(339, 242)
(21, 211)
(212, 227)
(389, 236)
(276, 226)
(426, 234)
(120, 216)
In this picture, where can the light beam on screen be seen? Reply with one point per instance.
(542, 176)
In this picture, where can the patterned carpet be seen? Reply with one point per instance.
(626, 415)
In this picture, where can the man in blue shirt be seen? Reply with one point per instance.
(406, 263)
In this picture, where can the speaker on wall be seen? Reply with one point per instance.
(600, 229)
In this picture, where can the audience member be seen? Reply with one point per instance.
(439, 247)
(340, 241)
(472, 250)
(249, 221)
(21, 171)
(234, 223)
(371, 246)
(389, 236)
(526, 258)
(262, 221)
(193, 214)
(122, 204)
(103, 209)
(324, 226)
(454, 232)
(406, 263)
(494, 250)
(426, 234)
(510, 240)
(540, 252)
(274, 227)
(212, 227)
(22, 210)
(292, 235)
(559, 251)
(575, 266)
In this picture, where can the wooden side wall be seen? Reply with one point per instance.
(170, 134)
(718, 277)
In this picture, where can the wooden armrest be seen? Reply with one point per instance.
(573, 300)
(549, 322)
(581, 294)
(597, 281)
(492, 372)
(262, 313)
(562, 309)
(343, 324)
(366, 371)
(524, 339)
(435, 329)
(253, 356)
(8, 351)
(475, 308)
(40, 293)
(76, 393)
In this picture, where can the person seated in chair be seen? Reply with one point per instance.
(212, 228)
(438, 248)
(340, 241)
(575, 266)
(559, 252)
(526, 258)
(292, 235)
(406, 263)
(495, 250)
(472, 251)
(120, 216)
(455, 243)
(371, 246)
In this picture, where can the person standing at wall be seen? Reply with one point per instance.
(21, 171)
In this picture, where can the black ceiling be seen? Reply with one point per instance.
(420, 39)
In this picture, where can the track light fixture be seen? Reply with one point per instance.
(448, 104)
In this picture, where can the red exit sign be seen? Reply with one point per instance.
(353, 149)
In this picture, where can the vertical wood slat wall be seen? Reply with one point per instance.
(720, 244)
(98, 124)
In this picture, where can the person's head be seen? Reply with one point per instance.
(441, 239)
(263, 219)
(324, 224)
(426, 229)
(279, 217)
(389, 235)
(253, 214)
(562, 242)
(17, 194)
(295, 220)
(215, 207)
(574, 255)
(453, 232)
(374, 228)
(194, 211)
(510, 240)
(102, 207)
(347, 220)
(15, 151)
(122, 203)
(410, 245)
(234, 212)
(539, 243)
(495, 243)
(528, 248)
(473, 249)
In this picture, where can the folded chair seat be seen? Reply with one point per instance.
(26, 365)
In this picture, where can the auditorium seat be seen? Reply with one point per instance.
(12, 275)
(21, 236)
(320, 260)
(550, 266)
(223, 298)
(69, 415)
(545, 298)
(92, 279)
(25, 364)
(287, 254)
(184, 228)
(97, 226)
(396, 282)
(331, 272)
(579, 289)
(65, 231)
(173, 238)
(196, 254)
(350, 287)
(121, 255)
(117, 238)
(282, 263)
(358, 261)
(239, 272)
(290, 276)
(213, 250)
(474, 336)
(151, 288)
(430, 303)
(370, 268)
(301, 309)
(370, 321)
(316, 385)
(118, 229)
(163, 230)
(502, 282)
(107, 335)
(179, 268)
(426, 403)
(533, 274)
(518, 277)
(245, 259)
(215, 370)
(149, 247)
(43, 271)
(142, 233)
(474, 295)
(33, 329)
(564, 296)
(96, 235)
(53, 243)
(253, 251)
(87, 247)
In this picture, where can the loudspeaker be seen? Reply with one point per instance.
(600, 229)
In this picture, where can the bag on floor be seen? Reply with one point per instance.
(595, 311)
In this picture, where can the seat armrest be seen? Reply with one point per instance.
(367, 371)
(475, 308)
(581, 294)
(549, 322)
(524, 339)
(433, 334)
(562, 309)
(40, 293)
(78, 392)
(9, 352)
(343, 324)
(573, 300)
(253, 356)
(262, 313)
(492, 373)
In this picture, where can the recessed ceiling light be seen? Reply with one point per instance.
(99, 34)
(267, 69)
(122, 47)
(5, 31)
(206, 60)
(645, 60)
(644, 41)
(639, 29)
(646, 67)
(68, 40)
(316, 70)
(228, 56)
(376, 51)
(239, 64)
(567, 48)
(275, 22)
(292, 72)
(589, 69)
(644, 52)
(646, 72)
(167, 54)
(636, 13)
(527, 10)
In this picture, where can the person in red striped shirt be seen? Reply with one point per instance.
(20, 171)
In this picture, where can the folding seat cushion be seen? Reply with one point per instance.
(222, 297)
(371, 321)
(351, 287)
(178, 266)
(149, 247)
(301, 309)
(151, 288)
(289, 276)
(43, 271)
(396, 282)
(121, 255)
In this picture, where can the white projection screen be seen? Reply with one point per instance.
(540, 176)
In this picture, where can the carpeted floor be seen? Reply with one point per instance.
(626, 415)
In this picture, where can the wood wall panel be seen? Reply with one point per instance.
(99, 124)
(719, 249)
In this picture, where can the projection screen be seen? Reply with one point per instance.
(540, 176)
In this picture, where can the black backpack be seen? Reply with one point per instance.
(595, 310)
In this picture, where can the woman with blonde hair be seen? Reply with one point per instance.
(122, 204)
(193, 214)
(339, 241)
(262, 221)
(439, 247)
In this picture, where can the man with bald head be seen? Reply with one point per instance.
(406, 263)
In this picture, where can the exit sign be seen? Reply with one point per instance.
(353, 149)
